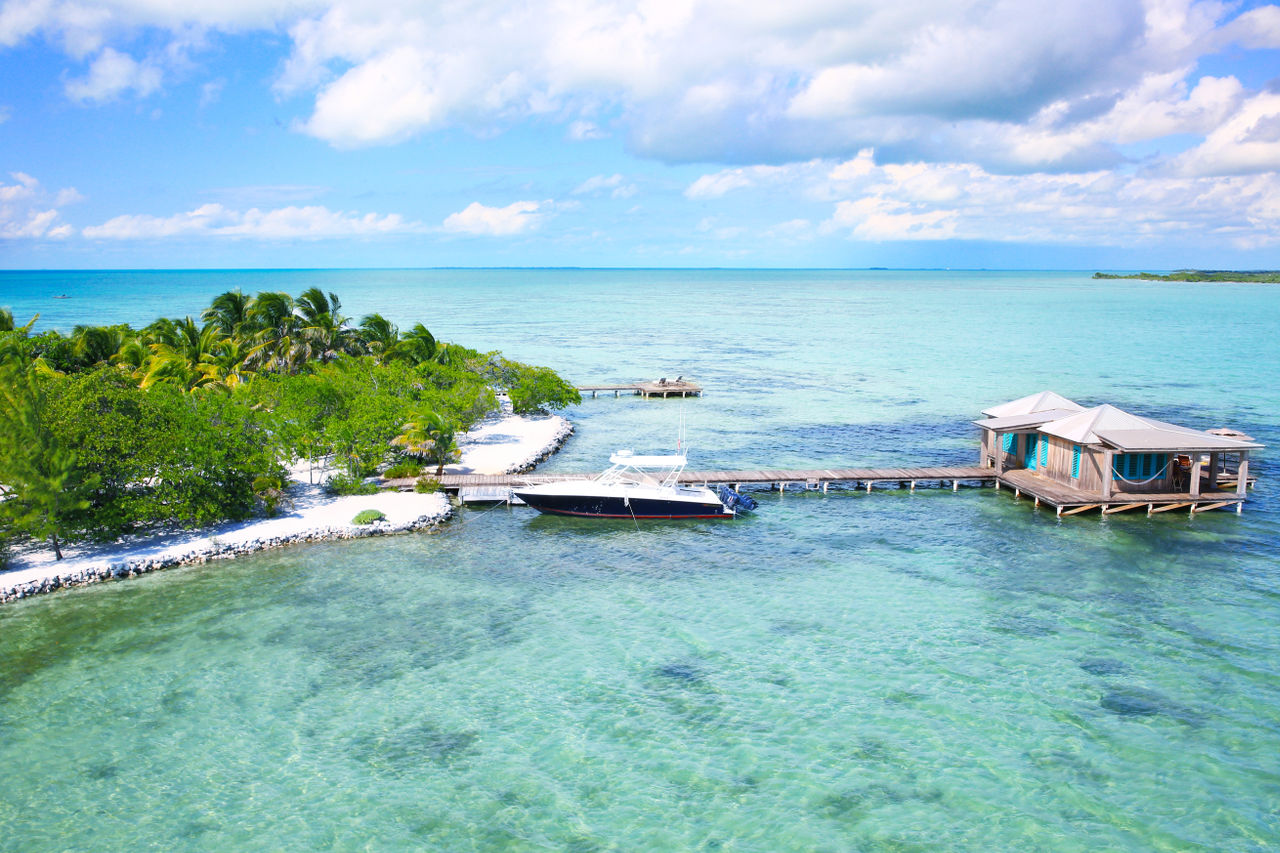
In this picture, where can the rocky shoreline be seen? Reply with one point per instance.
(214, 550)
(562, 435)
(319, 518)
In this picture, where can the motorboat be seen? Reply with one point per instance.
(636, 487)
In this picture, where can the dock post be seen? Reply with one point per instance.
(1017, 493)
(1059, 512)
(868, 487)
(824, 487)
(617, 393)
(1037, 503)
(913, 487)
(1239, 507)
(955, 485)
(1242, 474)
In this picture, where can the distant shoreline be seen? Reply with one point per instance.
(1251, 277)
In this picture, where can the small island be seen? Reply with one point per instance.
(1235, 276)
(271, 419)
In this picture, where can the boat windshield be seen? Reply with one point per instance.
(643, 470)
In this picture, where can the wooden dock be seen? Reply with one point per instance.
(1041, 490)
(657, 388)
(817, 478)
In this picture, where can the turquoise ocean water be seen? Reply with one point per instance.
(929, 671)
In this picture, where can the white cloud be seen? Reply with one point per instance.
(215, 220)
(112, 74)
(1249, 141)
(728, 180)
(25, 212)
(1033, 85)
(582, 130)
(478, 219)
(616, 186)
(927, 201)
(935, 202)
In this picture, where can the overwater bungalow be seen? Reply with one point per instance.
(1071, 456)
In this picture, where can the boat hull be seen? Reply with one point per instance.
(613, 506)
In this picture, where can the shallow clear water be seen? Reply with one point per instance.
(848, 671)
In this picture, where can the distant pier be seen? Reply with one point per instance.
(657, 388)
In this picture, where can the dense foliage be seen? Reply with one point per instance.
(111, 429)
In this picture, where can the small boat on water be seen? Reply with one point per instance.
(635, 487)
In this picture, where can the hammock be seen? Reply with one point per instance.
(1156, 476)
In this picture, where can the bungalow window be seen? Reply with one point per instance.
(1009, 442)
(1075, 460)
(1139, 466)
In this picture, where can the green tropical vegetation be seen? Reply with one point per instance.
(111, 430)
(368, 516)
(1258, 276)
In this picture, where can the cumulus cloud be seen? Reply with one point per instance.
(1015, 87)
(478, 219)
(28, 211)
(215, 220)
(926, 201)
(112, 74)
(1247, 142)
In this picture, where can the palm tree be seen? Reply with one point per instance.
(183, 353)
(229, 311)
(132, 357)
(272, 314)
(416, 345)
(94, 345)
(430, 437)
(229, 362)
(379, 335)
(7, 322)
(325, 332)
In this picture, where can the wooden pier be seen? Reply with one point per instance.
(657, 388)
(812, 479)
(1063, 499)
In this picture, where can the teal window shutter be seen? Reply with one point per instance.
(1006, 442)
(1075, 460)
(1044, 451)
(1117, 465)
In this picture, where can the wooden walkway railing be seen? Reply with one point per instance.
(815, 478)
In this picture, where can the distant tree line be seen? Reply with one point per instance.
(1257, 276)
(112, 429)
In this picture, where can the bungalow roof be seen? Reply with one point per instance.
(1011, 423)
(1044, 401)
(1122, 430)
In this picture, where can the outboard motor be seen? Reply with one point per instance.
(735, 501)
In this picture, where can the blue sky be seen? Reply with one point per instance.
(828, 133)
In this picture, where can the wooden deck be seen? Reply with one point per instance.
(670, 388)
(1071, 501)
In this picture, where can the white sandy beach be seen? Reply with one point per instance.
(509, 444)
(503, 444)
